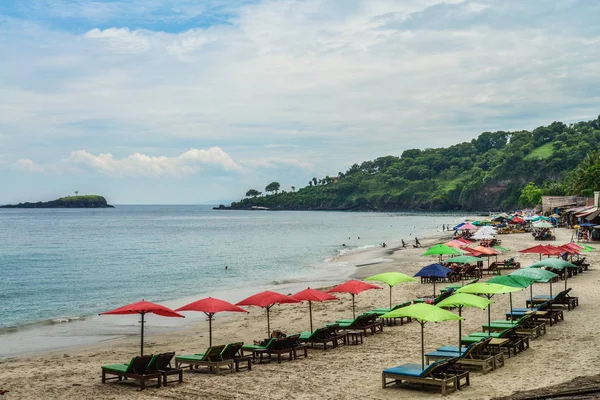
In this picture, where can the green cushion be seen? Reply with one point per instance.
(485, 334)
(191, 357)
(253, 347)
(117, 367)
(305, 335)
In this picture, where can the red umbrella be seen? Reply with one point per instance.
(266, 300)
(468, 227)
(311, 295)
(539, 249)
(353, 287)
(210, 307)
(517, 220)
(143, 308)
(552, 251)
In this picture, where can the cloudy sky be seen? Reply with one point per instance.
(188, 101)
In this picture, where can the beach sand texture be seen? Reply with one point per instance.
(568, 350)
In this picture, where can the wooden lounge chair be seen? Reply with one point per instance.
(546, 312)
(278, 347)
(209, 361)
(517, 343)
(161, 363)
(526, 325)
(562, 298)
(441, 373)
(392, 321)
(136, 369)
(232, 351)
(364, 322)
(474, 356)
(321, 337)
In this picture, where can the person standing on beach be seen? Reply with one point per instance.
(418, 244)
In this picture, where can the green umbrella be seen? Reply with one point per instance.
(440, 250)
(423, 313)
(488, 290)
(392, 279)
(461, 300)
(463, 259)
(542, 224)
(513, 281)
(502, 249)
(554, 263)
(588, 248)
(538, 275)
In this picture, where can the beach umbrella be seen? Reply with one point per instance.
(502, 249)
(517, 220)
(513, 281)
(542, 224)
(142, 308)
(353, 287)
(538, 249)
(588, 248)
(538, 275)
(460, 300)
(467, 227)
(423, 313)
(391, 279)
(311, 295)
(440, 250)
(488, 290)
(210, 307)
(266, 300)
(488, 230)
(434, 271)
(455, 243)
(554, 263)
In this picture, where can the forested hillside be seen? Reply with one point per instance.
(488, 172)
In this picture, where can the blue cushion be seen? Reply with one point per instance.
(447, 354)
(411, 369)
(453, 349)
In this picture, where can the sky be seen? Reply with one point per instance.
(195, 102)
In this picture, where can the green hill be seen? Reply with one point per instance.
(87, 201)
(488, 172)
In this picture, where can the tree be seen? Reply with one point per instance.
(531, 195)
(252, 193)
(293, 188)
(586, 177)
(273, 187)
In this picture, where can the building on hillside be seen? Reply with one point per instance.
(556, 204)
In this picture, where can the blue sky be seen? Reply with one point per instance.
(187, 101)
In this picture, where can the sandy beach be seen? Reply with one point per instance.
(344, 372)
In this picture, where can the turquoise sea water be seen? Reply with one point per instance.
(58, 264)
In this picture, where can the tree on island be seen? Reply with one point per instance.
(293, 188)
(252, 193)
(273, 187)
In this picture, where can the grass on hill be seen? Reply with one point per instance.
(88, 197)
(541, 153)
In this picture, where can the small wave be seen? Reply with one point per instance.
(46, 322)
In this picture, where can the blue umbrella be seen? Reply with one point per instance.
(587, 224)
(434, 271)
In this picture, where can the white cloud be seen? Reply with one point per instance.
(122, 40)
(138, 164)
(28, 165)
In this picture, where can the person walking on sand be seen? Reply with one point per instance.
(403, 243)
(417, 242)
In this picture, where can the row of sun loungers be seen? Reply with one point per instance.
(143, 369)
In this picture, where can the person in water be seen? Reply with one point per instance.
(383, 244)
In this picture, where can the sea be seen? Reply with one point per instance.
(61, 267)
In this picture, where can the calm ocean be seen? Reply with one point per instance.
(61, 265)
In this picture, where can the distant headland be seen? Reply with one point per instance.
(87, 201)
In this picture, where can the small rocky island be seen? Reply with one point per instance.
(87, 201)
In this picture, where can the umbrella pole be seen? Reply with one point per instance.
(310, 313)
(531, 294)
(422, 345)
(459, 328)
(489, 316)
(353, 312)
(551, 288)
(268, 323)
(434, 279)
(566, 278)
(142, 342)
(511, 306)
(391, 297)
(209, 330)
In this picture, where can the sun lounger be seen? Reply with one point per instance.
(321, 337)
(517, 343)
(161, 363)
(526, 325)
(476, 355)
(209, 361)
(392, 321)
(274, 347)
(136, 369)
(440, 373)
(456, 287)
(367, 323)
(546, 312)
(233, 352)
(562, 298)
